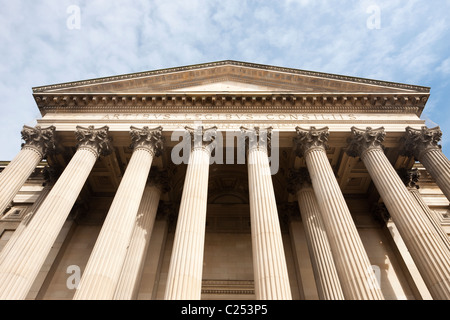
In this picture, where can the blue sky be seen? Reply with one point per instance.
(42, 43)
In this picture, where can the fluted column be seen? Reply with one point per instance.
(38, 142)
(137, 250)
(423, 145)
(184, 280)
(51, 174)
(325, 273)
(427, 249)
(410, 179)
(352, 263)
(269, 261)
(102, 272)
(418, 286)
(20, 266)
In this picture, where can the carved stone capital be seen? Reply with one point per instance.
(380, 213)
(288, 212)
(417, 141)
(257, 138)
(362, 140)
(202, 138)
(298, 179)
(80, 209)
(97, 140)
(160, 179)
(168, 211)
(309, 139)
(146, 138)
(40, 139)
(409, 177)
(51, 174)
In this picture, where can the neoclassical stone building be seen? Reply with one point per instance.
(227, 180)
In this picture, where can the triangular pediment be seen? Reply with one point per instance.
(228, 76)
(231, 86)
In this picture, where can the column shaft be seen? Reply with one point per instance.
(184, 280)
(134, 262)
(429, 214)
(353, 265)
(427, 249)
(326, 276)
(26, 220)
(269, 261)
(438, 166)
(102, 271)
(16, 174)
(20, 265)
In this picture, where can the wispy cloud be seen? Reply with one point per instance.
(115, 37)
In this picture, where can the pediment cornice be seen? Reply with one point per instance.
(280, 78)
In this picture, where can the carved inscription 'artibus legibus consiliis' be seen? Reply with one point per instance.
(228, 116)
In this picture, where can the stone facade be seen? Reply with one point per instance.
(227, 180)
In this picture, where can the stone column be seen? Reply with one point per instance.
(130, 276)
(427, 249)
(352, 263)
(410, 179)
(423, 145)
(20, 266)
(38, 142)
(151, 274)
(51, 174)
(414, 278)
(102, 272)
(269, 261)
(306, 281)
(325, 273)
(184, 280)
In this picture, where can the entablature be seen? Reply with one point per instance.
(254, 102)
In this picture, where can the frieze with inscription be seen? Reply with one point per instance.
(229, 116)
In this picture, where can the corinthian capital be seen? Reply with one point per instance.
(97, 140)
(362, 140)
(258, 138)
(149, 139)
(203, 138)
(409, 177)
(298, 179)
(40, 139)
(160, 179)
(417, 141)
(308, 139)
(52, 173)
(380, 213)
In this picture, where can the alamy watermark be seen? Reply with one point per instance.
(73, 21)
(222, 150)
(374, 20)
(73, 280)
(374, 277)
